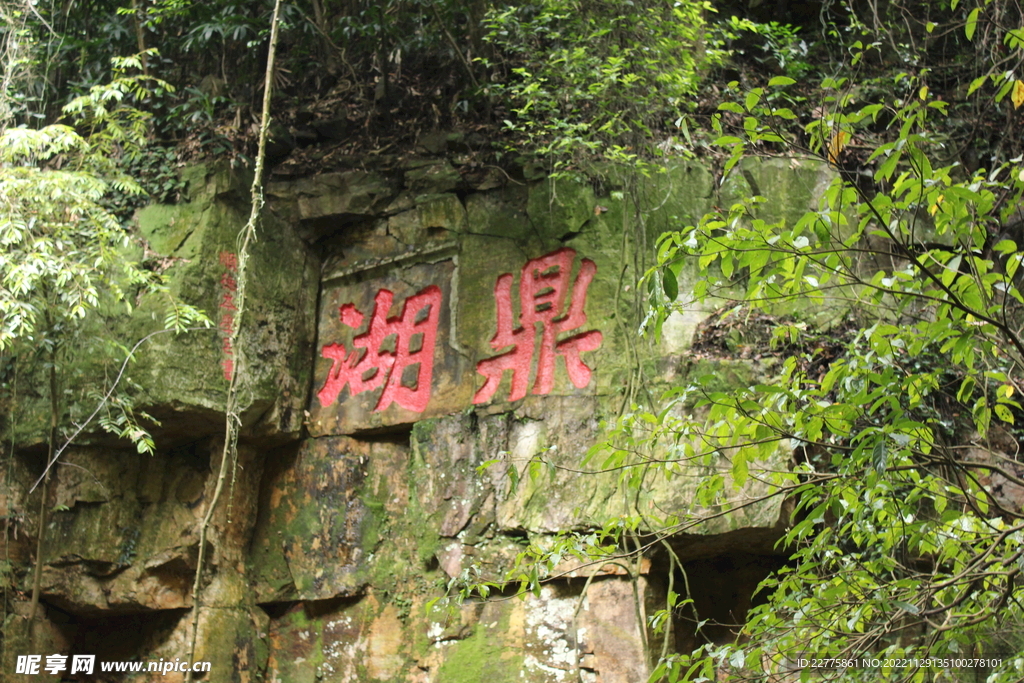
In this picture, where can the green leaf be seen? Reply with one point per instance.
(737, 154)
(487, 464)
(752, 98)
(685, 128)
(951, 270)
(670, 284)
(966, 389)
(880, 456)
(976, 83)
(740, 470)
(1015, 38)
(781, 80)
(972, 23)
(727, 263)
(982, 416)
(1004, 89)
(1005, 246)
(907, 607)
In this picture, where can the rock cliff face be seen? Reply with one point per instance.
(416, 330)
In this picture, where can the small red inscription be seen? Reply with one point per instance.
(409, 337)
(543, 288)
(228, 286)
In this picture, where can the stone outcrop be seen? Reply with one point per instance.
(422, 336)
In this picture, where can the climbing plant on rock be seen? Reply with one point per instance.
(236, 380)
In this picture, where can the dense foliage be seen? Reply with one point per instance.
(906, 534)
(598, 80)
(61, 246)
(64, 250)
(571, 79)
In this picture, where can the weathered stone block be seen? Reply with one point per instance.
(338, 195)
(500, 213)
(23, 637)
(310, 538)
(497, 278)
(558, 636)
(386, 354)
(186, 374)
(434, 178)
(124, 536)
(794, 186)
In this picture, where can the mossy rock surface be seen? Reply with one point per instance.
(365, 515)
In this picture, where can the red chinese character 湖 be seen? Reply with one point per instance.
(543, 287)
(369, 365)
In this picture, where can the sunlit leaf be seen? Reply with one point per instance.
(972, 23)
(1017, 96)
(836, 144)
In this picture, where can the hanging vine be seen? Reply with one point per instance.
(232, 421)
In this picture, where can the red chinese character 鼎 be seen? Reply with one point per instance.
(369, 366)
(229, 260)
(543, 288)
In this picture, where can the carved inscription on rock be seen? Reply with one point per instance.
(394, 353)
(544, 285)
